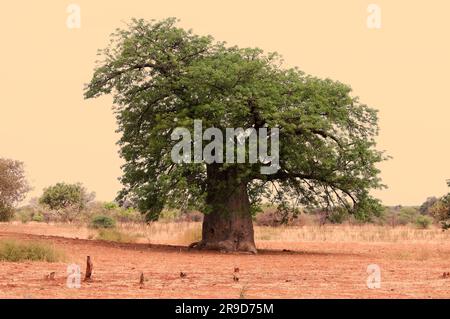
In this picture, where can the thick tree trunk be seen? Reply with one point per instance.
(228, 226)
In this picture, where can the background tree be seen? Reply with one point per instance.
(163, 77)
(441, 210)
(13, 186)
(425, 207)
(66, 200)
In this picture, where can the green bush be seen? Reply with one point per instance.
(38, 218)
(102, 221)
(15, 251)
(29, 213)
(423, 221)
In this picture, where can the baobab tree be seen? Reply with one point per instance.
(163, 77)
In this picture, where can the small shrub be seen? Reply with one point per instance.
(15, 251)
(38, 218)
(110, 206)
(423, 221)
(23, 214)
(102, 221)
(115, 235)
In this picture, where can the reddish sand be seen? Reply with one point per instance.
(307, 270)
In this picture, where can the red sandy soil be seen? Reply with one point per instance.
(307, 270)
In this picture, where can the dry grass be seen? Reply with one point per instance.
(18, 251)
(187, 232)
(116, 236)
(190, 235)
(184, 233)
(350, 233)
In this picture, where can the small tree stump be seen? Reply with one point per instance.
(89, 268)
(50, 276)
(141, 280)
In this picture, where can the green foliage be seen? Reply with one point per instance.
(441, 211)
(102, 221)
(407, 215)
(66, 199)
(338, 216)
(6, 213)
(13, 187)
(62, 196)
(15, 251)
(38, 218)
(110, 206)
(398, 215)
(423, 221)
(33, 212)
(163, 77)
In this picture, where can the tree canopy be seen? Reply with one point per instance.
(66, 200)
(13, 186)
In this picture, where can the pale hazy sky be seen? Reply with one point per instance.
(401, 69)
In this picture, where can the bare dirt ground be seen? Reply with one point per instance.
(306, 270)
